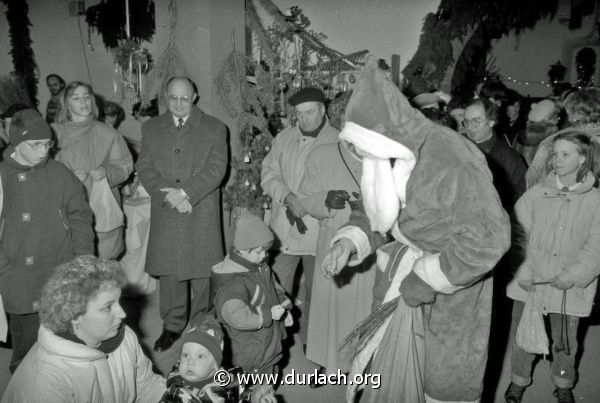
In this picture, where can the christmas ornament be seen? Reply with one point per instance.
(246, 183)
(246, 158)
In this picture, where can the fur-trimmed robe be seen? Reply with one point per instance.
(453, 214)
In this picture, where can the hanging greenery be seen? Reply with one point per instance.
(170, 62)
(20, 41)
(585, 60)
(108, 18)
(13, 91)
(452, 21)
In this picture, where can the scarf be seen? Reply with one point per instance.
(314, 133)
(106, 346)
(383, 186)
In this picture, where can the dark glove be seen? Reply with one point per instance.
(301, 226)
(290, 216)
(355, 204)
(336, 199)
(415, 291)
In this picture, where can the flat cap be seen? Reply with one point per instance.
(308, 94)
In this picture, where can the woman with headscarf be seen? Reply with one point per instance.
(84, 352)
(93, 151)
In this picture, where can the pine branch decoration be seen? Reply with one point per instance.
(169, 64)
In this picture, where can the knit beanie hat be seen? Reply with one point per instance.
(251, 232)
(28, 124)
(209, 334)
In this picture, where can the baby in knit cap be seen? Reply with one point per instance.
(250, 303)
(192, 379)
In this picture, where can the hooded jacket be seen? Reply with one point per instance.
(246, 293)
(282, 172)
(45, 222)
(563, 232)
(57, 370)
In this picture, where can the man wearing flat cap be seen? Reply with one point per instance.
(282, 173)
(45, 221)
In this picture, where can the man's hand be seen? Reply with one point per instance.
(291, 201)
(277, 312)
(80, 174)
(174, 196)
(263, 394)
(98, 174)
(354, 204)
(415, 291)
(184, 207)
(562, 281)
(336, 199)
(337, 257)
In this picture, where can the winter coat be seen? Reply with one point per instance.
(57, 370)
(246, 293)
(91, 145)
(508, 170)
(45, 222)
(194, 159)
(563, 231)
(282, 173)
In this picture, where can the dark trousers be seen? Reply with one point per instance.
(563, 364)
(285, 267)
(175, 298)
(24, 334)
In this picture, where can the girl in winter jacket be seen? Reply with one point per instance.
(561, 220)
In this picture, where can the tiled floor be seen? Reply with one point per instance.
(145, 313)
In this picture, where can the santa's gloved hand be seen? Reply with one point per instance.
(415, 291)
(336, 199)
(354, 204)
(301, 226)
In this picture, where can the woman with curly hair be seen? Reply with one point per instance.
(84, 352)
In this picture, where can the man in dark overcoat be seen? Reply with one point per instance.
(182, 164)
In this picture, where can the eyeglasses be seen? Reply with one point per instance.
(473, 122)
(40, 145)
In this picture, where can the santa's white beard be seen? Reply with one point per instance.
(380, 198)
(383, 188)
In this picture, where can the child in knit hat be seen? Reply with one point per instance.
(192, 379)
(250, 304)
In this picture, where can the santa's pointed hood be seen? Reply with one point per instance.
(378, 104)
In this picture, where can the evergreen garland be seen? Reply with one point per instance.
(492, 20)
(169, 64)
(109, 19)
(20, 41)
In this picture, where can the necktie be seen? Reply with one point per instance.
(180, 125)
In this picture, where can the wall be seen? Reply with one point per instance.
(527, 57)
(384, 27)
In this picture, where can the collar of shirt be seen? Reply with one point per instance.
(176, 120)
(571, 188)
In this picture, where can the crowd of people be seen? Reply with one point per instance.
(404, 217)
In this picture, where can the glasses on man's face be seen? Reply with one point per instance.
(40, 145)
(475, 122)
(183, 100)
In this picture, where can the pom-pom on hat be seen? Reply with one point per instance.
(28, 124)
(308, 94)
(209, 334)
(251, 232)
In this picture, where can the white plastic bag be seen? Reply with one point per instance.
(531, 333)
(107, 211)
